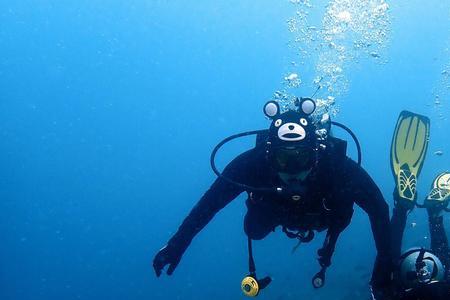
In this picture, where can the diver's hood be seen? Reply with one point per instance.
(420, 267)
(293, 128)
(292, 140)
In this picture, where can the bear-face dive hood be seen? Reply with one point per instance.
(292, 140)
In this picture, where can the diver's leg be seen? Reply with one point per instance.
(398, 224)
(439, 241)
(258, 223)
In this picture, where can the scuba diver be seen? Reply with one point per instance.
(419, 274)
(298, 177)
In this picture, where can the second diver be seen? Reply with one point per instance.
(419, 274)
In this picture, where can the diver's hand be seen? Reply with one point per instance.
(166, 256)
(381, 284)
(381, 293)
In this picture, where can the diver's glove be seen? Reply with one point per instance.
(381, 282)
(384, 293)
(166, 256)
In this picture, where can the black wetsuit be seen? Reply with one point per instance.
(326, 202)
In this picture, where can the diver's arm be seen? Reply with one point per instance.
(367, 195)
(218, 196)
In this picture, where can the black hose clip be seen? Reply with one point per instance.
(303, 236)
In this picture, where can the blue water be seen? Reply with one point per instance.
(109, 111)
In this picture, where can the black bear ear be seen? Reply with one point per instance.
(307, 105)
(271, 109)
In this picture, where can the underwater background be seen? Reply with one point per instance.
(109, 111)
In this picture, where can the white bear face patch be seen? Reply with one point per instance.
(291, 132)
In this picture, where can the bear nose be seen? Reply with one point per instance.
(291, 127)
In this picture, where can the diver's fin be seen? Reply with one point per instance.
(439, 194)
(408, 151)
